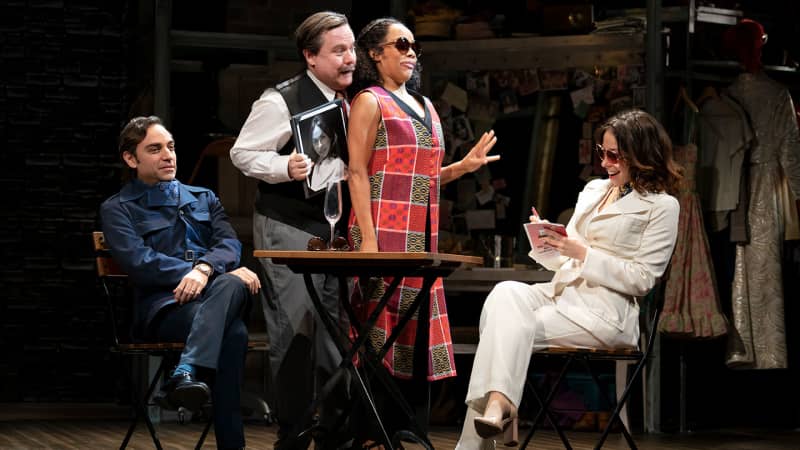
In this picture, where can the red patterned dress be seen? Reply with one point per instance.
(404, 172)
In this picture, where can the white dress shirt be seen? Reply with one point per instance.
(266, 130)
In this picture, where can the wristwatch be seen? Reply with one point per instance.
(204, 268)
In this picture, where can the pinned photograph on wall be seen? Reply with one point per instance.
(462, 131)
(550, 80)
(506, 79)
(455, 96)
(581, 78)
(478, 84)
(528, 82)
(583, 95)
(321, 135)
(508, 101)
(485, 195)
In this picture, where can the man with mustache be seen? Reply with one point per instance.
(302, 355)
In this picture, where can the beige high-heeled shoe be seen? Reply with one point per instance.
(493, 426)
(469, 439)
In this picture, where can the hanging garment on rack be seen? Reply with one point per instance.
(758, 340)
(691, 302)
(724, 136)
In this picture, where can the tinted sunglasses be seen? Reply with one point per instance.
(612, 156)
(316, 244)
(402, 45)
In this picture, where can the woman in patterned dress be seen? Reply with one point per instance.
(396, 145)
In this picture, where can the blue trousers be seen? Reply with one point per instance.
(216, 338)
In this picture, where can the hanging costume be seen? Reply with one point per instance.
(773, 167)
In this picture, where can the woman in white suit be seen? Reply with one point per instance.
(619, 242)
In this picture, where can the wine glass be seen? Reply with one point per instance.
(333, 204)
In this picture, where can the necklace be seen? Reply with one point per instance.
(625, 189)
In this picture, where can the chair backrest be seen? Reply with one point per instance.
(107, 268)
(651, 320)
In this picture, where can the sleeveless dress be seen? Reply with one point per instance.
(404, 172)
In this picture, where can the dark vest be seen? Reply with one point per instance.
(286, 202)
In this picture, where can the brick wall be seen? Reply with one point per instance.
(63, 84)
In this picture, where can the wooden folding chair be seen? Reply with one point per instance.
(108, 271)
(636, 356)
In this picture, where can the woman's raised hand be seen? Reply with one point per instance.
(476, 158)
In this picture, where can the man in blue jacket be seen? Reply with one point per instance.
(182, 255)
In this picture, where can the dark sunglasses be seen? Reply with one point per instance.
(612, 156)
(402, 45)
(316, 244)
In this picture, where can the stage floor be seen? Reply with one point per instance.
(107, 434)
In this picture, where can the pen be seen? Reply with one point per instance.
(533, 210)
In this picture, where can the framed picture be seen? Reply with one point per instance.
(321, 134)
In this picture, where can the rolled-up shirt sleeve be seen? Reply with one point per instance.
(266, 130)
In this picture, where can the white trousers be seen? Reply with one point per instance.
(516, 319)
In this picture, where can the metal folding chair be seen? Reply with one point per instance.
(636, 356)
(109, 272)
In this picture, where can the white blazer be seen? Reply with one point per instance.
(629, 245)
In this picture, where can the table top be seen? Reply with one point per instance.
(374, 263)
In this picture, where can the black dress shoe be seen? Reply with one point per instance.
(183, 390)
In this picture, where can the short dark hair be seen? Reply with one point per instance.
(134, 132)
(309, 34)
(370, 38)
(132, 135)
(647, 149)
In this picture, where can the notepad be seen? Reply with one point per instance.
(535, 231)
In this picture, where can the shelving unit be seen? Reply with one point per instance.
(550, 52)
(170, 46)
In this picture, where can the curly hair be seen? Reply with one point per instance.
(370, 39)
(644, 144)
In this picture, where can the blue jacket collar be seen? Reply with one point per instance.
(136, 189)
